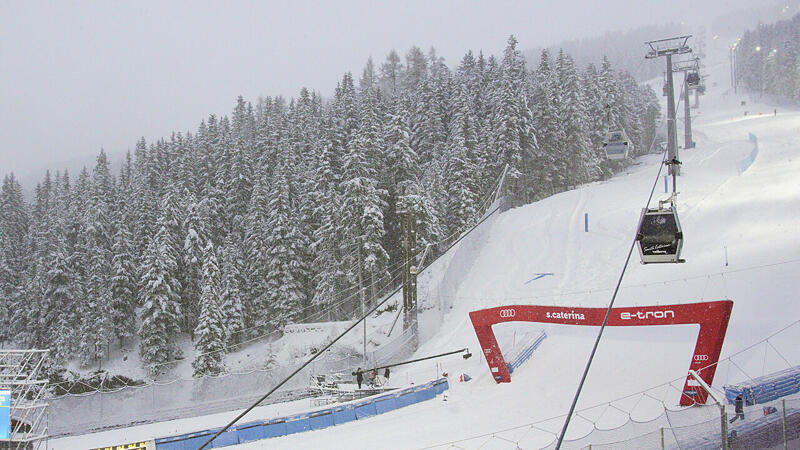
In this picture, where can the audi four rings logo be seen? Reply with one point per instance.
(701, 357)
(507, 313)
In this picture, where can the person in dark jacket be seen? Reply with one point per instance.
(739, 408)
(359, 377)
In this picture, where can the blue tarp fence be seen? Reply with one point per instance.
(526, 354)
(747, 162)
(314, 420)
(767, 388)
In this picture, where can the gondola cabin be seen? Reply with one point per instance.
(616, 145)
(660, 237)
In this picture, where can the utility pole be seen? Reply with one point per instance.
(667, 48)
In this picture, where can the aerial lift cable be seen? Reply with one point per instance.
(303, 366)
(608, 313)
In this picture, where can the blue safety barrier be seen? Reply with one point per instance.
(343, 414)
(766, 388)
(385, 404)
(314, 420)
(439, 386)
(250, 432)
(425, 394)
(230, 437)
(405, 399)
(171, 443)
(526, 353)
(298, 423)
(747, 162)
(365, 409)
(273, 429)
(195, 440)
(322, 419)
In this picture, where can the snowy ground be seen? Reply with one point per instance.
(753, 216)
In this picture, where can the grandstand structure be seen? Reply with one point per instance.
(21, 377)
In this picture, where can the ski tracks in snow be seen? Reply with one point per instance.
(572, 248)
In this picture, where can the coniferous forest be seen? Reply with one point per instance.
(768, 59)
(279, 211)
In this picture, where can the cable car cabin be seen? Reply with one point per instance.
(660, 237)
(616, 145)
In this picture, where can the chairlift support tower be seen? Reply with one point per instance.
(691, 80)
(667, 48)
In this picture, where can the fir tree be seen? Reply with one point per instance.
(210, 332)
(286, 270)
(161, 308)
(124, 285)
(231, 293)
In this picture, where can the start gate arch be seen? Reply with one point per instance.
(712, 317)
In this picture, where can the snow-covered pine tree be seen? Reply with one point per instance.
(547, 169)
(363, 205)
(257, 256)
(210, 332)
(286, 269)
(14, 225)
(462, 174)
(595, 114)
(390, 73)
(328, 262)
(96, 329)
(581, 165)
(400, 172)
(59, 300)
(124, 285)
(231, 302)
(513, 138)
(194, 241)
(161, 304)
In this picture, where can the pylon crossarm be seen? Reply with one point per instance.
(669, 46)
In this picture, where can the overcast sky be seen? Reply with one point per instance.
(76, 76)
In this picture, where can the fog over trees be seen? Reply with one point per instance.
(768, 59)
(267, 216)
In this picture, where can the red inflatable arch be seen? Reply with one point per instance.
(711, 316)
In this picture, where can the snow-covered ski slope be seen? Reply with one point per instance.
(740, 243)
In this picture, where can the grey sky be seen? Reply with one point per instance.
(78, 76)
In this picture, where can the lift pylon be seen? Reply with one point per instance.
(667, 48)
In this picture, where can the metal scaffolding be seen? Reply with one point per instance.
(20, 373)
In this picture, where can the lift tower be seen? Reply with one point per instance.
(691, 81)
(668, 47)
